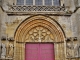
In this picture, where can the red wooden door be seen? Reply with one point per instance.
(39, 51)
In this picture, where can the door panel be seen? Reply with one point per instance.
(47, 51)
(31, 51)
(39, 52)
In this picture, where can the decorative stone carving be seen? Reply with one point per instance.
(79, 51)
(3, 53)
(72, 48)
(69, 49)
(5, 6)
(11, 50)
(7, 48)
(39, 34)
(0, 50)
(35, 8)
(76, 50)
(3, 38)
(11, 39)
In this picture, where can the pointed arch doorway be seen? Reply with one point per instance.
(37, 29)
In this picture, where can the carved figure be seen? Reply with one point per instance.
(11, 50)
(79, 51)
(0, 50)
(3, 53)
(69, 49)
(7, 48)
(76, 50)
(72, 48)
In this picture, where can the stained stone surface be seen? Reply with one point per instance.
(69, 22)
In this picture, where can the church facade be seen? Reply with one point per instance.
(39, 30)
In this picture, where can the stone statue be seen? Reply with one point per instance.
(69, 49)
(7, 48)
(79, 51)
(72, 48)
(76, 50)
(0, 50)
(3, 51)
(11, 50)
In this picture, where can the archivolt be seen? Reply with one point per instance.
(36, 21)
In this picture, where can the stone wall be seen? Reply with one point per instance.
(13, 21)
(69, 23)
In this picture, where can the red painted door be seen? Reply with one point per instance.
(39, 51)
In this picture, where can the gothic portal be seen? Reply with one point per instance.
(38, 30)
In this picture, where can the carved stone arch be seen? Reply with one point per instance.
(38, 21)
